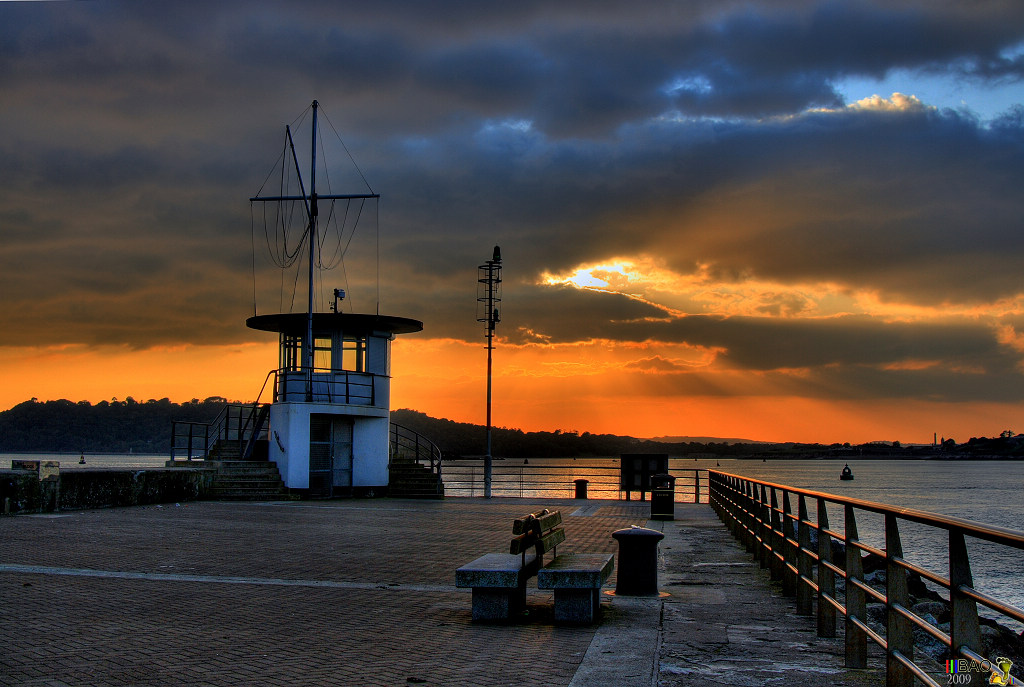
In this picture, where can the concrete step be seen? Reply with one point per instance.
(257, 473)
(248, 484)
(408, 479)
(252, 480)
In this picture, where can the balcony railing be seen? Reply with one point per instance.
(322, 385)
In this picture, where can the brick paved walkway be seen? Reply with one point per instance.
(340, 592)
(357, 592)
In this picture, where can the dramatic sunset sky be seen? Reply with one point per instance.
(789, 220)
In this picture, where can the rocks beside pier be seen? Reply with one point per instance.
(933, 608)
(997, 639)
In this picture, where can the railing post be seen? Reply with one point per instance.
(727, 509)
(789, 580)
(804, 598)
(749, 516)
(764, 514)
(899, 633)
(826, 576)
(190, 430)
(856, 639)
(775, 563)
(964, 630)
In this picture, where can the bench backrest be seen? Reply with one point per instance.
(540, 531)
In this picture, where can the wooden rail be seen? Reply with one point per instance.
(760, 515)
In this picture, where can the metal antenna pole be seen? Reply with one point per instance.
(489, 274)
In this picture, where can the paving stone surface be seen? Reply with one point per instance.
(227, 594)
(361, 592)
(726, 623)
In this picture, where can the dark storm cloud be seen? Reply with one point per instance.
(756, 343)
(921, 206)
(848, 383)
(566, 132)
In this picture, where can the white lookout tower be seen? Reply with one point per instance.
(329, 422)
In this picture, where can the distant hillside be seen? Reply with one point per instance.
(704, 440)
(464, 439)
(109, 426)
(145, 427)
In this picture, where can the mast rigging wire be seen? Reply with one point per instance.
(286, 242)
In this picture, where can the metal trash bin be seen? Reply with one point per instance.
(663, 497)
(581, 488)
(637, 561)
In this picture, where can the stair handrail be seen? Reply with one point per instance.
(255, 420)
(209, 430)
(221, 429)
(423, 450)
(259, 415)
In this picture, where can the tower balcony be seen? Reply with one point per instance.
(333, 386)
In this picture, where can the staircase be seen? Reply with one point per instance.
(229, 444)
(414, 470)
(409, 479)
(246, 480)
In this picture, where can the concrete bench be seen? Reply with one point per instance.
(577, 579)
(499, 580)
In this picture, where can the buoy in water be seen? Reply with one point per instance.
(81, 461)
(847, 473)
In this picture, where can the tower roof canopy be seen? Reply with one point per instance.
(349, 323)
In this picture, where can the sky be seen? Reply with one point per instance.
(785, 221)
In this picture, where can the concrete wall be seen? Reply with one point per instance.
(289, 428)
(22, 492)
(370, 437)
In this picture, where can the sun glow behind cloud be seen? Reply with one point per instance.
(702, 292)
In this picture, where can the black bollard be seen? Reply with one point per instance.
(581, 488)
(638, 561)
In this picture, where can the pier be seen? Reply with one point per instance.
(362, 591)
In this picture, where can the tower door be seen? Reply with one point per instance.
(330, 455)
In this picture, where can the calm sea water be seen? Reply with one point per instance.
(92, 460)
(983, 491)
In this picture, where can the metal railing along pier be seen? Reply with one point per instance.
(556, 478)
(798, 550)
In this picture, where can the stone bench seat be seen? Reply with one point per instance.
(576, 579)
(499, 580)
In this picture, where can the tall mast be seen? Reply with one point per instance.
(310, 203)
(313, 213)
